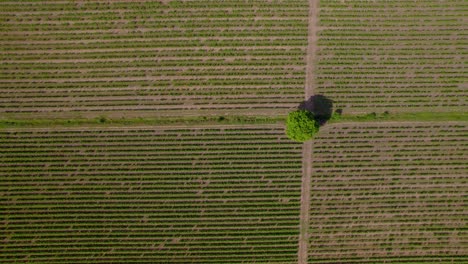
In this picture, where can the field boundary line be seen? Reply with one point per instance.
(307, 147)
(311, 47)
(305, 202)
(155, 127)
(383, 123)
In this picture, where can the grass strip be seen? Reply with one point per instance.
(105, 121)
(402, 117)
(213, 120)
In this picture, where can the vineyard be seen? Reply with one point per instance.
(389, 192)
(138, 58)
(149, 195)
(404, 56)
(162, 131)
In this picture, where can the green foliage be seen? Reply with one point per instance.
(175, 4)
(301, 125)
(335, 117)
(102, 119)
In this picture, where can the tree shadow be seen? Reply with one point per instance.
(320, 106)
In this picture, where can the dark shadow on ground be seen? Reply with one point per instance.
(321, 106)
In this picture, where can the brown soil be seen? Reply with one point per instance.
(307, 148)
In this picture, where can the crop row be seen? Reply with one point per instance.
(143, 6)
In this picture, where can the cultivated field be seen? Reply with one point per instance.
(397, 56)
(151, 58)
(122, 136)
(149, 195)
(390, 192)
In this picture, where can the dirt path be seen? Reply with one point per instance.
(305, 202)
(311, 47)
(307, 147)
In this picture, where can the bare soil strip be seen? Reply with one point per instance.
(305, 202)
(307, 147)
(158, 49)
(311, 47)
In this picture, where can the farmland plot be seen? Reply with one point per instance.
(390, 192)
(141, 58)
(405, 56)
(149, 195)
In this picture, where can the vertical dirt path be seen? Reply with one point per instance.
(307, 147)
(311, 47)
(305, 202)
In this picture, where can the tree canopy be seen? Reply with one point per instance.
(301, 125)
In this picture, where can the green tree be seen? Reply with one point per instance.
(301, 125)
